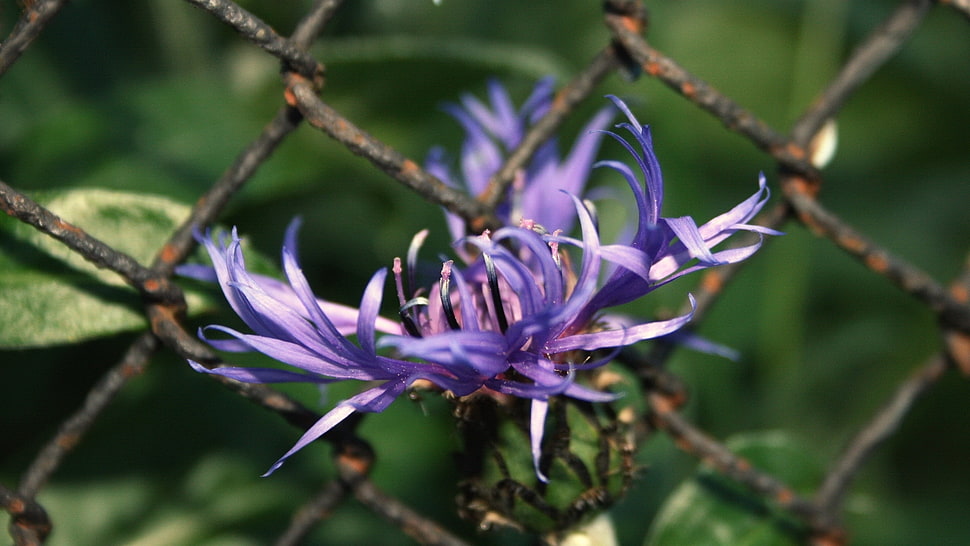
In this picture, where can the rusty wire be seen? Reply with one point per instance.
(302, 82)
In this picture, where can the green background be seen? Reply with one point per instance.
(157, 97)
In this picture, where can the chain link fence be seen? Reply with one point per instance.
(290, 75)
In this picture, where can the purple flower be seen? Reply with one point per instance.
(518, 320)
(661, 247)
(492, 133)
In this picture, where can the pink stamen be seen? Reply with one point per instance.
(554, 246)
(444, 292)
(399, 281)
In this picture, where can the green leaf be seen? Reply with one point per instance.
(49, 295)
(216, 501)
(710, 509)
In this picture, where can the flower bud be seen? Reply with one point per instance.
(587, 455)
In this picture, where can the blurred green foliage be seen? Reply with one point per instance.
(712, 509)
(157, 97)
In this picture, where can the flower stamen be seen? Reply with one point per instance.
(444, 292)
(399, 282)
(416, 242)
(406, 317)
(493, 289)
(554, 248)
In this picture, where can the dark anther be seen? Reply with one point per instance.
(443, 290)
(407, 319)
(503, 322)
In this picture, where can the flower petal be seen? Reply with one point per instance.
(537, 424)
(372, 400)
(260, 375)
(325, 362)
(621, 337)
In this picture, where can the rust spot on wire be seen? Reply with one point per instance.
(877, 262)
(683, 445)
(359, 465)
(712, 282)
(559, 102)
(169, 253)
(677, 399)
(784, 496)
(61, 224)
(852, 244)
(290, 97)
(808, 221)
(129, 371)
(831, 537)
(409, 167)
(161, 315)
(801, 185)
(960, 293)
(653, 68)
(478, 224)
(68, 441)
(151, 285)
(633, 24)
(16, 507)
(662, 404)
(795, 151)
(688, 89)
(292, 79)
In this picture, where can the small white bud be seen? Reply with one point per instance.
(597, 532)
(823, 145)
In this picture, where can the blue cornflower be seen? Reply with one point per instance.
(517, 320)
(492, 132)
(660, 247)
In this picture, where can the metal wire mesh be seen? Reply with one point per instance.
(627, 51)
